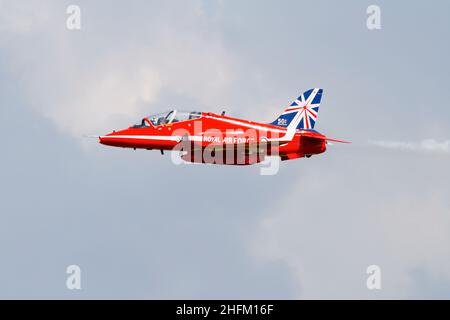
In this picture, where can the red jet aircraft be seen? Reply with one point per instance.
(205, 137)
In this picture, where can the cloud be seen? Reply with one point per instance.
(427, 145)
(19, 18)
(338, 218)
(323, 220)
(86, 82)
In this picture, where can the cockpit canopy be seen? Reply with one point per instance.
(168, 117)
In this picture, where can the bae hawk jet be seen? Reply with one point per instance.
(206, 137)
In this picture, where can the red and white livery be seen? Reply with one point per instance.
(206, 137)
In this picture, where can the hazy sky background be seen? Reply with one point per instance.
(141, 227)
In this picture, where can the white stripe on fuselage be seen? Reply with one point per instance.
(150, 137)
(248, 125)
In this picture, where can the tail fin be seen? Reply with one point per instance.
(308, 107)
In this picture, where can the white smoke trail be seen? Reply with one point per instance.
(426, 145)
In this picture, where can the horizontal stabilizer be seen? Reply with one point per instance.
(336, 140)
(316, 135)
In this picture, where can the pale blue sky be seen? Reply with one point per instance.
(141, 227)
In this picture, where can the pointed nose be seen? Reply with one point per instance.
(107, 139)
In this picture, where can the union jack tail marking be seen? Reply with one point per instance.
(308, 107)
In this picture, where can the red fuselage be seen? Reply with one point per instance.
(208, 130)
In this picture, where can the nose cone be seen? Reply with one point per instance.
(103, 139)
(108, 139)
